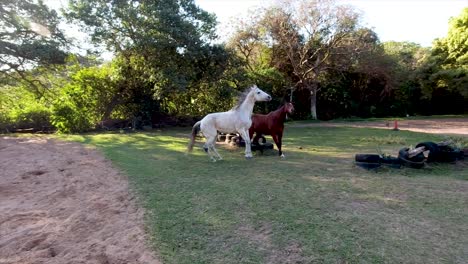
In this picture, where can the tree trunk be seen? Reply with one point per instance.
(313, 101)
(110, 106)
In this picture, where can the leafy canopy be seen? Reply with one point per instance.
(29, 36)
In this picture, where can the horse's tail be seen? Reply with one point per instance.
(195, 130)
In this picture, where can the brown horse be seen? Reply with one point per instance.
(271, 124)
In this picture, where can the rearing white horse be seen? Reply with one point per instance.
(238, 119)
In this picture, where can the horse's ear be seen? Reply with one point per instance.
(253, 87)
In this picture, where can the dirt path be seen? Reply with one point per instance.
(449, 126)
(63, 203)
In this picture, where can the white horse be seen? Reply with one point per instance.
(238, 119)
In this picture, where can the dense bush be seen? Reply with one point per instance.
(20, 109)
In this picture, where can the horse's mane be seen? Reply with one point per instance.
(241, 98)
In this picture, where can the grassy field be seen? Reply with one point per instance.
(314, 206)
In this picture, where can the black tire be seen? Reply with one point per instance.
(229, 137)
(465, 152)
(391, 162)
(367, 161)
(239, 141)
(416, 162)
(221, 138)
(449, 154)
(433, 149)
(370, 158)
(368, 165)
(263, 140)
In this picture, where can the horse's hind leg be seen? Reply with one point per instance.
(210, 135)
(210, 153)
(213, 148)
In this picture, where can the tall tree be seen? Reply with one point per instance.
(447, 66)
(165, 44)
(29, 37)
(306, 34)
(406, 59)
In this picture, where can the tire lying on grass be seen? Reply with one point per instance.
(371, 161)
(367, 161)
(441, 152)
(449, 154)
(464, 152)
(373, 158)
(261, 146)
(433, 149)
(391, 162)
(416, 162)
(221, 137)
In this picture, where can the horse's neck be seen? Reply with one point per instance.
(280, 113)
(247, 106)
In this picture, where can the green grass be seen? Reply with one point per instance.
(314, 206)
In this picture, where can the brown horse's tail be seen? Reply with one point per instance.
(195, 130)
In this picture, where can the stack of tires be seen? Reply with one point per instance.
(425, 152)
(230, 138)
(236, 140)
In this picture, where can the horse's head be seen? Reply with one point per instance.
(259, 95)
(289, 108)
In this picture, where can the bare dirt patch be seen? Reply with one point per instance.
(63, 203)
(449, 126)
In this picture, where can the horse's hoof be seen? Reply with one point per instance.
(248, 158)
(205, 149)
(282, 156)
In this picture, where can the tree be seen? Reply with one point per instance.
(447, 66)
(406, 59)
(29, 37)
(359, 77)
(305, 34)
(260, 62)
(163, 47)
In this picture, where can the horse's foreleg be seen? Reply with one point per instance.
(280, 143)
(277, 140)
(245, 135)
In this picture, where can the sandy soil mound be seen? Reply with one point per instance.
(63, 203)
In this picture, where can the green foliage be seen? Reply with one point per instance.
(446, 69)
(29, 37)
(67, 117)
(164, 58)
(20, 109)
(166, 64)
(83, 101)
(168, 38)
